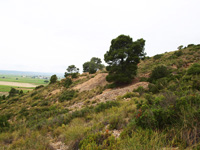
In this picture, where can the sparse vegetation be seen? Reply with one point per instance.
(163, 115)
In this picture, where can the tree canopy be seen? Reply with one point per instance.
(53, 79)
(93, 65)
(122, 58)
(72, 71)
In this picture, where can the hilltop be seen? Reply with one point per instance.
(154, 111)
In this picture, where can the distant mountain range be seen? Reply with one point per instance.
(28, 73)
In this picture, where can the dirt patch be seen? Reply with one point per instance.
(17, 84)
(4, 93)
(112, 94)
(55, 91)
(98, 80)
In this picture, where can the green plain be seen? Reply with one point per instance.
(20, 79)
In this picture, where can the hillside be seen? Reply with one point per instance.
(153, 112)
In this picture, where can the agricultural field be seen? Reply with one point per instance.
(22, 79)
(25, 83)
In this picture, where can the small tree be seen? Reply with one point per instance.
(72, 71)
(3, 97)
(122, 59)
(21, 92)
(13, 92)
(46, 81)
(53, 79)
(93, 65)
(180, 47)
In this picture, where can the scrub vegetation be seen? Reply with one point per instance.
(163, 115)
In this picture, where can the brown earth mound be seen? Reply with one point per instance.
(98, 80)
(112, 94)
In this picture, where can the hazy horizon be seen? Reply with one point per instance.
(48, 36)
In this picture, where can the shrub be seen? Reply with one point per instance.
(155, 115)
(129, 95)
(143, 79)
(158, 56)
(74, 75)
(194, 69)
(102, 106)
(39, 86)
(4, 124)
(67, 82)
(190, 45)
(178, 53)
(159, 72)
(98, 141)
(116, 122)
(67, 95)
(13, 92)
(140, 90)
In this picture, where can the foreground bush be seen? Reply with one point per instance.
(67, 95)
(159, 72)
(194, 69)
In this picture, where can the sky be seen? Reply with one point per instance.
(50, 35)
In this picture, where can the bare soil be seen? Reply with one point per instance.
(98, 80)
(17, 84)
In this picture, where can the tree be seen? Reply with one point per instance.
(93, 65)
(3, 97)
(46, 81)
(86, 66)
(21, 92)
(72, 71)
(122, 58)
(53, 79)
(13, 92)
(180, 47)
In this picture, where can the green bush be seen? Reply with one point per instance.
(74, 75)
(39, 86)
(194, 69)
(140, 90)
(53, 79)
(158, 56)
(129, 95)
(102, 106)
(116, 122)
(67, 82)
(190, 45)
(67, 95)
(143, 79)
(178, 53)
(167, 110)
(4, 124)
(98, 141)
(13, 92)
(159, 72)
